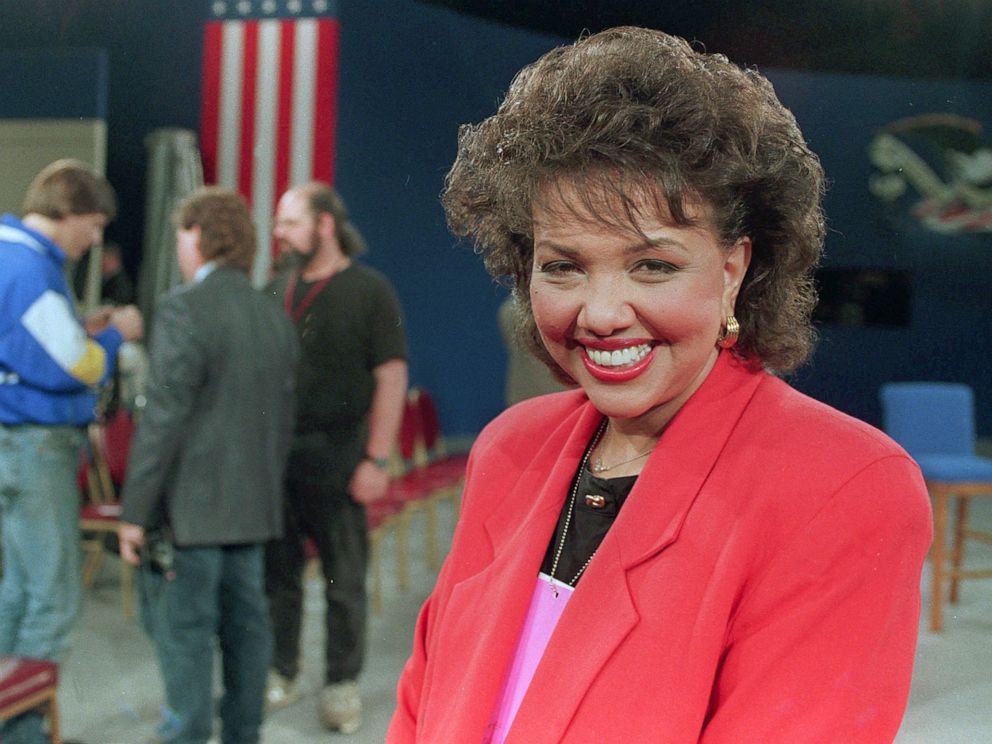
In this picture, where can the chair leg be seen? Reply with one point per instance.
(938, 557)
(127, 589)
(957, 552)
(375, 558)
(456, 501)
(54, 724)
(402, 549)
(430, 536)
(93, 549)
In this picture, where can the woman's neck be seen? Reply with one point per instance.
(618, 454)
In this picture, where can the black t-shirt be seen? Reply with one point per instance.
(352, 325)
(589, 524)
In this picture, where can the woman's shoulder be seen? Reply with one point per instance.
(800, 422)
(530, 420)
(804, 455)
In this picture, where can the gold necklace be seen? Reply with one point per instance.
(599, 467)
(568, 515)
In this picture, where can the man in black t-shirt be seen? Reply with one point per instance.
(351, 386)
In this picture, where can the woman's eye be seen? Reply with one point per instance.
(558, 267)
(655, 266)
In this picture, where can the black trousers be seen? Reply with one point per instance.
(320, 508)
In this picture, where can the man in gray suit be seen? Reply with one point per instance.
(203, 491)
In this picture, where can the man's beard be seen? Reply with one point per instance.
(290, 258)
(286, 260)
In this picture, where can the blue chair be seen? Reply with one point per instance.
(935, 423)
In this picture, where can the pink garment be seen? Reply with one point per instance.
(546, 605)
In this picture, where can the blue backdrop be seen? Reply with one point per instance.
(951, 275)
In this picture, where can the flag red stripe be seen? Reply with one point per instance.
(236, 136)
(325, 103)
(210, 98)
(249, 73)
(287, 48)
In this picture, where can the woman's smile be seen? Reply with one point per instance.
(619, 364)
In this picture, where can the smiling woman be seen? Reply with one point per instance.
(677, 550)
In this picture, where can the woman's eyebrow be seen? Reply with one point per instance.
(552, 245)
(639, 245)
(660, 241)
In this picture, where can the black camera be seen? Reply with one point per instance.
(158, 553)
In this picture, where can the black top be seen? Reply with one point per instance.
(589, 524)
(350, 327)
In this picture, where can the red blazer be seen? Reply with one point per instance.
(761, 583)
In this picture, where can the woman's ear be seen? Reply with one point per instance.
(735, 266)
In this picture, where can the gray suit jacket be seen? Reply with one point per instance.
(211, 445)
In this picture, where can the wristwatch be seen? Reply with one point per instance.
(380, 462)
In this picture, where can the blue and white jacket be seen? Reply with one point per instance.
(49, 368)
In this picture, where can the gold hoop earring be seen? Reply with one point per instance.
(729, 333)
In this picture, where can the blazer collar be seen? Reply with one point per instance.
(562, 451)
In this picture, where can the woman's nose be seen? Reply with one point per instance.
(605, 307)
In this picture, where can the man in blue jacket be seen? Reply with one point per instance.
(50, 368)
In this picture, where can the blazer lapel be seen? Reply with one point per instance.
(681, 462)
(486, 611)
(601, 612)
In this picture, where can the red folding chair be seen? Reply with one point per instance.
(409, 494)
(445, 472)
(432, 475)
(101, 474)
(382, 516)
(30, 684)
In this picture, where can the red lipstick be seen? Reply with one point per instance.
(611, 374)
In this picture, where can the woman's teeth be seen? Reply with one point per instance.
(620, 357)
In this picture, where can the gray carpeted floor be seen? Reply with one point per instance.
(110, 690)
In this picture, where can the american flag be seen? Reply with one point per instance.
(269, 101)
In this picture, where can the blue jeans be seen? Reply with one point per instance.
(217, 593)
(40, 591)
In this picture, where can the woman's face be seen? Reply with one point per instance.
(632, 318)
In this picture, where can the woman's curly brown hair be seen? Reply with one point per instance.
(629, 111)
